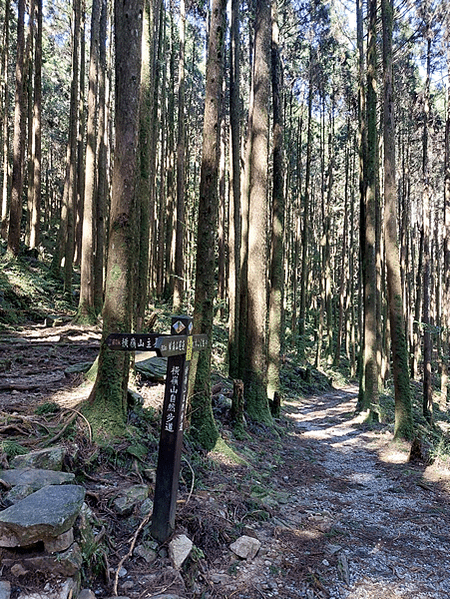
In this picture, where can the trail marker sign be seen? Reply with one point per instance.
(178, 348)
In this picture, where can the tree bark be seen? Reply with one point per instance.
(369, 392)
(403, 416)
(15, 212)
(4, 100)
(256, 369)
(234, 237)
(35, 217)
(178, 292)
(107, 404)
(276, 293)
(426, 211)
(86, 311)
(202, 426)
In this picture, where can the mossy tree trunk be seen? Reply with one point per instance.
(369, 392)
(106, 407)
(203, 428)
(403, 415)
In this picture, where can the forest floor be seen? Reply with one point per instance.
(339, 509)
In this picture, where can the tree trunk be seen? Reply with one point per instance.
(427, 349)
(305, 219)
(369, 393)
(276, 293)
(107, 404)
(446, 269)
(4, 101)
(101, 200)
(65, 242)
(15, 212)
(256, 371)
(234, 237)
(203, 428)
(71, 173)
(86, 310)
(178, 292)
(35, 216)
(403, 415)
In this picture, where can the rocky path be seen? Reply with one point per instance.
(354, 520)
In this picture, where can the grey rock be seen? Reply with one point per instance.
(44, 514)
(246, 547)
(125, 503)
(28, 480)
(48, 459)
(153, 369)
(86, 594)
(5, 589)
(146, 507)
(343, 569)
(179, 549)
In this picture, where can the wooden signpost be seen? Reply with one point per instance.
(178, 348)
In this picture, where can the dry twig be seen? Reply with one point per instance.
(130, 551)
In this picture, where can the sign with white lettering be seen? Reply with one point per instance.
(178, 348)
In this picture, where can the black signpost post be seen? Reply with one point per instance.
(178, 347)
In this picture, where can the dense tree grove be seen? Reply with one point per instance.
(283, 165)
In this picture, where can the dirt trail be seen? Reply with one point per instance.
(385, 523)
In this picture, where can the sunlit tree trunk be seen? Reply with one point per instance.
(426, 211)
(446, 273)
(35, 217)
(15, 212)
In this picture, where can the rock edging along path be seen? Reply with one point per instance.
(387, 520)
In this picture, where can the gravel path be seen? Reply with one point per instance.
(388, 521)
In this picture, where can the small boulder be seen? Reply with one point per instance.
(124, 504)
(245, 547)
(45, 514)
(179, 549)
(48, 459)
(25, 481)
(5, 589)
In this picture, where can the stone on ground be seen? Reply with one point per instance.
(179, 549)
(45, 514)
